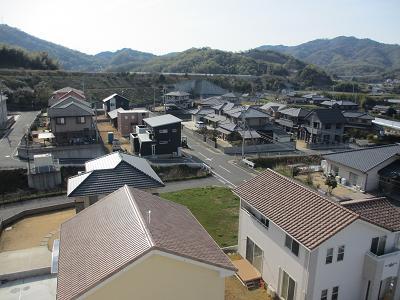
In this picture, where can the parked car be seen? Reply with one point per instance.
(116, 145)
(200, 124)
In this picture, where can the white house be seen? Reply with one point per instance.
(308, 247)
(360, 167)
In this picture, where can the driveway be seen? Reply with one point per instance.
(33, 288)
(10, 141)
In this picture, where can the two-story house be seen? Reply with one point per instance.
(64, 93)
(115, 101)
(340, 104)
(308, 247)
(323, 127)
(160, 136)
(71, 121)
(292, 118)
(178, 98)
(358, 120)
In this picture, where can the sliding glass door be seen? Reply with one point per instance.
(288, 286)
(254, 254)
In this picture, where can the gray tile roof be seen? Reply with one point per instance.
(273, 105)
(328, 115)
(114, 96)
(364, 159)
(69, 99)
(338, 102)
(295, 112)
(110, 172)
(68, 89)
(177, 94)
(113, 233)
(162, 120)
(71, 109)
(357, 114)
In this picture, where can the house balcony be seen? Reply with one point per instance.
(382, 266)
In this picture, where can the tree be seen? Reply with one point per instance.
(331, 183)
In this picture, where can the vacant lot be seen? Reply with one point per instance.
(216, 208)
(104, 128)
(30, 231)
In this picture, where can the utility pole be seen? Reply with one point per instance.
(154, 98)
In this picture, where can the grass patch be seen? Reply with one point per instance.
(216, 208)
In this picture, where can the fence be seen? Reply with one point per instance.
(281, 147)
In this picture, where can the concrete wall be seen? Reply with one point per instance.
(162, 278)
(44, 181)
(276, 255)
(64, 152)
(281, 147)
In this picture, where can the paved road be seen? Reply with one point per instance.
(225, 168)
(10, 141)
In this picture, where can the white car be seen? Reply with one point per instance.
(200, 124)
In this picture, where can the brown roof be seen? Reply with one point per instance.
(114, 232)
(378, 211)
(305, 215)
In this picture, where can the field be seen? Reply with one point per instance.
(30, 232)
(216, 208)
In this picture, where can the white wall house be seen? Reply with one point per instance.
(360, 167)
(309, 247)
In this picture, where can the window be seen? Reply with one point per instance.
(126, 117)
(163, 131)
(163, 142)
(143, 114)
(174, 130)
(353, 178)
(254, 254)
(326, 138)
(288, 286)
(378, 245)
(60, 121)
(329, 256)
(334, 170)
(328, 126)
(324, 295)
(259, 217)
(80, 120)
(335, 293)
(338, 126)
(340, 254)
(316, 125)
(292, 245)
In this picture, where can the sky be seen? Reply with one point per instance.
(163, 26)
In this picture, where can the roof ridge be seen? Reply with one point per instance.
(314, 192)
(364, 200)
(93, 159)
(361, 149)
(139, 215)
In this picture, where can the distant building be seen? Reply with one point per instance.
(291, 119)
(340, 104)
(200, 88)
(307, 246)
(231, 97)
(71, 121)
(44, 173)
(358, 120)
(66, 92)
(113, 116)
(128, 119)
(115, 101)
(381, 109)
(160, 136)
(179, 98)
(135, 245)
(107, 174)
(3, 111)
(273, 109)
(360, 168)
(323, 127)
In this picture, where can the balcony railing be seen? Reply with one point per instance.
(386, 264)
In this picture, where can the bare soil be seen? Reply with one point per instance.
(104, 128)
(235, 290)
(30, 231)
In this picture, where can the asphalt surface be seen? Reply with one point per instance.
(10, 141)
(225, 168)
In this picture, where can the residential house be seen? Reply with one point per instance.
(308, 247)
(273, 109)
(209, 102)
(71, 121)
(220, 109)
(3, 111)
(200, 88)
(388, 126)
(315, 98)
(179, 98)
(128, 119)
(66, 92)
(115, 101)
(113, 116)
(358, 120)
(360, 167)
(231, 97)
(381, 109)
(107, 174)
(252, 116)
(389, 179)
(323, 127)
(132, 244)
(291, 119)
(160, 136)
(340, 104)
(198, 114)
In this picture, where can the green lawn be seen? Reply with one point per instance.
(216, 208)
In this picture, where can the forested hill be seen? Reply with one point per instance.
(346, 55)
(12, 58)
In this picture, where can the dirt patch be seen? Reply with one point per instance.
(104, 128)
(29, 232)
(235, 290)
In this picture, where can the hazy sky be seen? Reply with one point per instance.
(162, 26)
